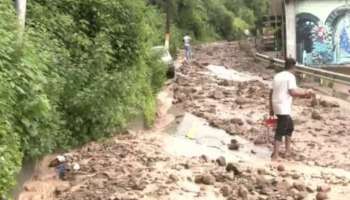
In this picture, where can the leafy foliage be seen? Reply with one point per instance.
(215, 19)
(10, 154)
(80, 72)
(83, 68)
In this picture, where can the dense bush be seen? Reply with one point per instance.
(215, 19)
(28, 121)
(84, 68)
(79, 73)
(106, 61)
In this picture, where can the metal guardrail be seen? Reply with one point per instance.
(314, 72)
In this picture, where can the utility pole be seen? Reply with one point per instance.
(21, 6)
(167, 25)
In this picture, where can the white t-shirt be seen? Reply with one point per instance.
(187, 40)
(281, 99)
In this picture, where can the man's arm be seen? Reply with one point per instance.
(300, 94)
(270, 103)
(294, 91)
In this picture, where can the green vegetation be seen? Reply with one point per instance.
(83, 68)
(81, 72)
(208, 20)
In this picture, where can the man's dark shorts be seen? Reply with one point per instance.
(285, 127)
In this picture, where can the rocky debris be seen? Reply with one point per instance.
(281, 168)
(221, 161)
(204, 158)
(217, 95)
(301, 187)
(260, 141)
(324, 188)
(206, 179)
(227, 83)
(238, 106)
(237, 121)
(234, 145)
(321, 196)
(328, 104)
(61, 189)
(316, 115)
(233, 168)
(243, 192)
(225, 191)
(123, 167)
(129, 167)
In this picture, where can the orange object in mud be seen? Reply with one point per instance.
(271, 122)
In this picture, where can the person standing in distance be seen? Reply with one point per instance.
(187, 45)
(284, 89)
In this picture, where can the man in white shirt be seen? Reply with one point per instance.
(284, 88)
(187, 44)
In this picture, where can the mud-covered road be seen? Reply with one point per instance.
(228, 89)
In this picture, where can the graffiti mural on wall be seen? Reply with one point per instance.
(322, 52)
(324, 43)
(342, 42)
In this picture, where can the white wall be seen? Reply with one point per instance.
(291, 30)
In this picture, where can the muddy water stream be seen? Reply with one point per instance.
(24, 175)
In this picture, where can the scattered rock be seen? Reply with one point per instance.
(61, 189)
(226, 83)
(262, 183)
(259, 141)
(301, 195)
(243, 192)
(324, 188)
(321, 196)
(225, 191)
(221, 161)
(316, 115)
(281, 168)
(262, 171)
(237, 121)
(234, 145)
(299, 186)
(232, 168)
(328, 104)
(241, 101)
(173, 178)
(217, 95)
(204, 158)
(206, 179)
(295, 176)
(309, 189)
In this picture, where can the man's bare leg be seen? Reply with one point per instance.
(276, 150)
(288, 146)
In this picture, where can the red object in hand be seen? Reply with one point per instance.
(270, 122)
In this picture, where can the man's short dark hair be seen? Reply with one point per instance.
(290, 63)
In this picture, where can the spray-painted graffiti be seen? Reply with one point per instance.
(322, 51)
(344, 40)
(324, 43)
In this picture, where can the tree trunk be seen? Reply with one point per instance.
(167, 25)
(21, 12)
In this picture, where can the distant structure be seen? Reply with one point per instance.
(322, 33)
(315, 32)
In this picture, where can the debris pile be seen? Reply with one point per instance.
(239, 106)
(135, 168)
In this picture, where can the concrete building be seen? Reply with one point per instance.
(317, 32)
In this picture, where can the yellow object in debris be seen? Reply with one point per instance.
(192, 132)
